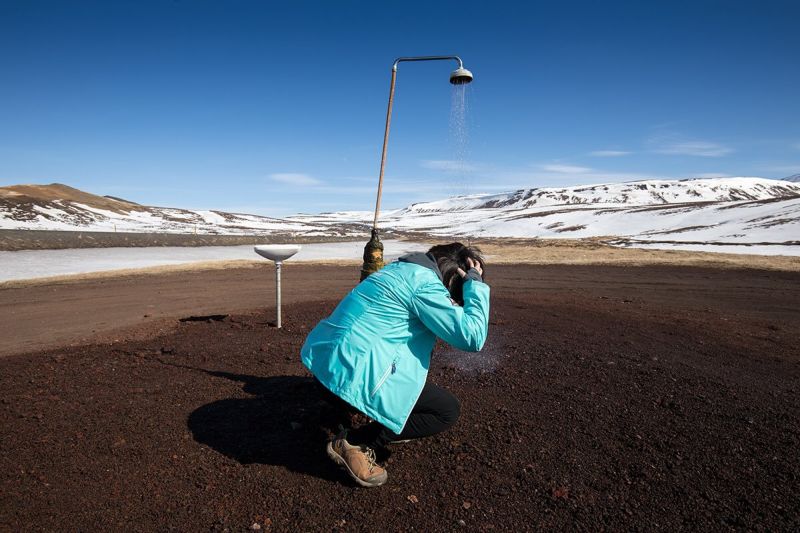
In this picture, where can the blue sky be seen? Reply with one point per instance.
(279, 107)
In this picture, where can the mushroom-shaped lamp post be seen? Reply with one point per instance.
(277, 253)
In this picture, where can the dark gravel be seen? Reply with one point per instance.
(620, 406)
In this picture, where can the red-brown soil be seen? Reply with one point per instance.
(606, 399)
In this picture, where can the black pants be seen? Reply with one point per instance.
(435, 411)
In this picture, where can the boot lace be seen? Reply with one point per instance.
(370, 454)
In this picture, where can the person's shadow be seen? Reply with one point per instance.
(285, 423)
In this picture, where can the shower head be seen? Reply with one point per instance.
(460, 76)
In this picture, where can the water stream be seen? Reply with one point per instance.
(460, 174)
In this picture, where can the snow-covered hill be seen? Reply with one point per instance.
(629, 193)
(710, 213)
(59, 207)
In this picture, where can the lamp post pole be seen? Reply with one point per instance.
(373, 251)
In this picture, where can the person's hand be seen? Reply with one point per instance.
(473, 265)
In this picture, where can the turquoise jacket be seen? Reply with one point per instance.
(374, 350)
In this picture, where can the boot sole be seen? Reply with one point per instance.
(339, 460)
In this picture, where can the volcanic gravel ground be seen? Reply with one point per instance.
(587, 410)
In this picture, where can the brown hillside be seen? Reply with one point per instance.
(56, 191)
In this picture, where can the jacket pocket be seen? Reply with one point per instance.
(391, 369)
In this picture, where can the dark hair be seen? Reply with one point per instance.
(449, 258)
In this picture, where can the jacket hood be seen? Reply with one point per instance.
(422, 259)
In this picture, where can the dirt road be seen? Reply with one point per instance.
(655, 398)
(77, 309)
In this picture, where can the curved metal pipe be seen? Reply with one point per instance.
(427, 58)
(373, 251)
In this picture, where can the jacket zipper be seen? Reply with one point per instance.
(389, 371)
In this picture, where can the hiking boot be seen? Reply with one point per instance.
(359, 462)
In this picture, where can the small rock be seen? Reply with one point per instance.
(462, 523)
(256, 526)
(413, 499)
(466, 505)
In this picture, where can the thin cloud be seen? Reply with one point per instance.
(672, 145)
(565, 169)
(295, 178)
(609, 153)
(448, 165)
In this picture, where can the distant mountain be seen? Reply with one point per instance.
(736, 211)
(795, 178)
(645, 192)
(60, 207)
(703, 213)
(57, 192)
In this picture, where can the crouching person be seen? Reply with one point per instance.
(373, 353)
